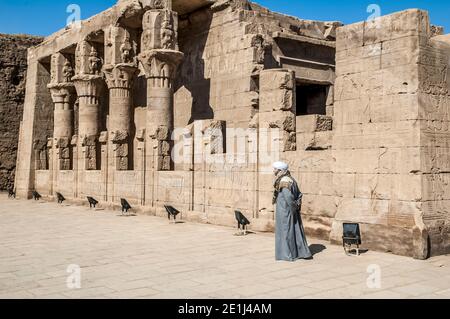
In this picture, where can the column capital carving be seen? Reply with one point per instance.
(88, 85)
(62, 92)
(160, 56)
(161, 63)
(120, 76)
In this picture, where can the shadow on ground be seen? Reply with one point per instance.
(316, 249)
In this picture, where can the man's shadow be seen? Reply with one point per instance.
(316, 249)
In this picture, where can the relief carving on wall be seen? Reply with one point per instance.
(81, 52)
(41, 155)
(68, 72)
(160, 30)
(261, 48)
(125, 50)
(95, 63)
(168, 40)
(54, 69)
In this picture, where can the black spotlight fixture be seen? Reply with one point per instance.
(92, 202)
(125, 206)
(172, 212)
(60, 198)
(242, 221)
(36, 195)
(351, 236)
(11, 193)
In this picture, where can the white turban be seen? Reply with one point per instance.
(281, 166)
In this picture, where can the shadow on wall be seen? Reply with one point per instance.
(192, 41)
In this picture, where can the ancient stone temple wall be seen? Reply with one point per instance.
(222, 81)
(391, 80)
(189, 103)
(434, 108)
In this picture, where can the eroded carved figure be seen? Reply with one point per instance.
(95, 63)
(125, 50)
(167, 32)
(68, 72)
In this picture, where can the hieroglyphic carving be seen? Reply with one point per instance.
(65, 153)
(434, 80)
(436, 113)
(90, 144)
(41, 155)
(54, 68)
(81, 57)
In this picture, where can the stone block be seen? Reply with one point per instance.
(408, 23)
(277, 79)
(285, 121)
(313, 123)
(319, 205)
(314, 141)
(350, 36)
(289, 142)
(277, 100)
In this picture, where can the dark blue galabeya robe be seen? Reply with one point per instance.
(290, 239)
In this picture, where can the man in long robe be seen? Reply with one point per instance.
(290, 239)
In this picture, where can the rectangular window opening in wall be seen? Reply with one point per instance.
(311, 99)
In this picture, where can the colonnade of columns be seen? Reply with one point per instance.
(84, 76)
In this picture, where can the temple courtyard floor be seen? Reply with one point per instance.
(59, 251)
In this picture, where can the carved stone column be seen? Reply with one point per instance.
(64, 96)
(89, 84)
(119, 78)
(160, 58)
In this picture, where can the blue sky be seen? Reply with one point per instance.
(43, 17)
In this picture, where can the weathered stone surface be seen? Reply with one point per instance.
(13, 64)
(371, 140)
(359, 112)
(314, 123)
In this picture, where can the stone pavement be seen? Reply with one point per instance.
(146, 257)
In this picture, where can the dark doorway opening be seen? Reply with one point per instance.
(311, 99)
